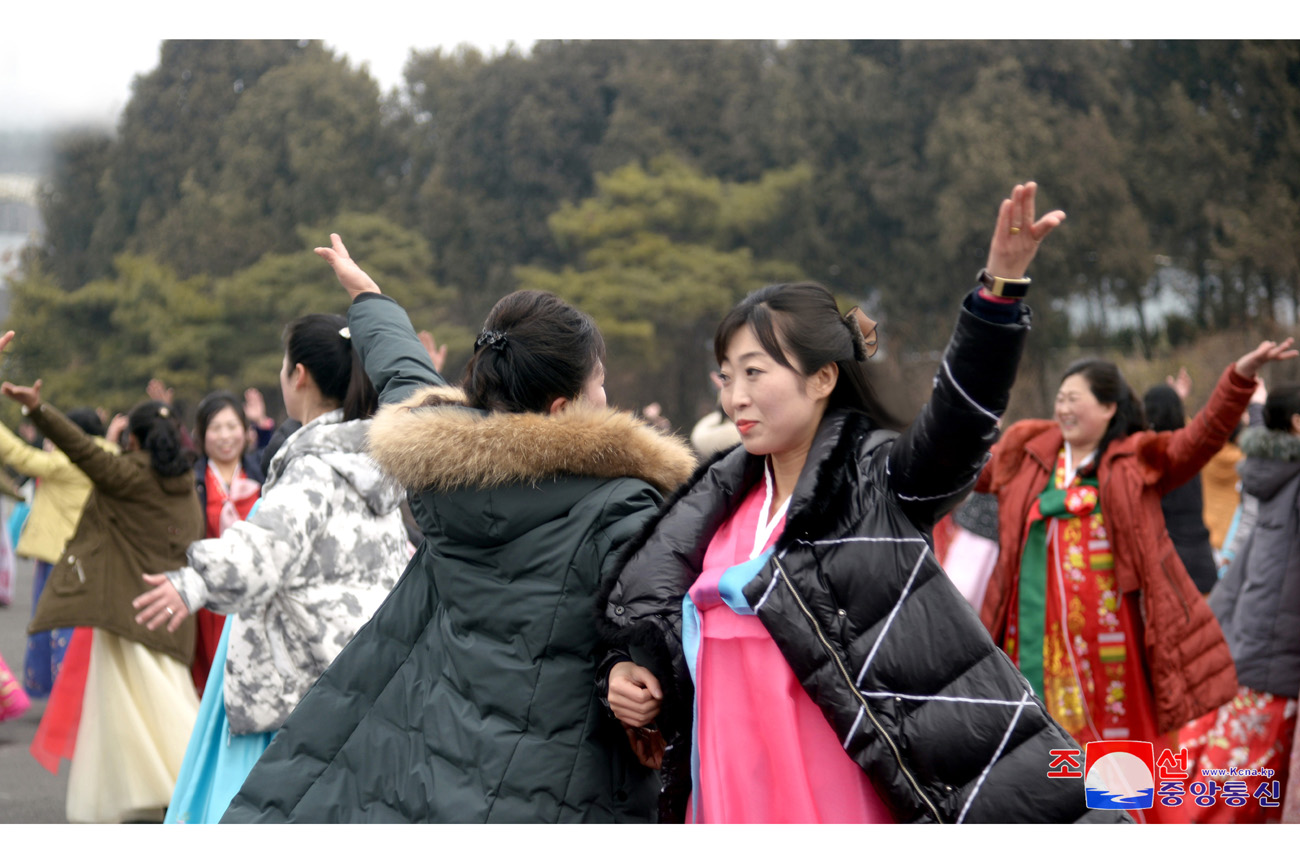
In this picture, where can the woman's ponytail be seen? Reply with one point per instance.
(361, 400)
(323, 345)
(153, 426)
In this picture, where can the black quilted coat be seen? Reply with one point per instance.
(938, 717)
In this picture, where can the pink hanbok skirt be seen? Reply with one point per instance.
(766, 753)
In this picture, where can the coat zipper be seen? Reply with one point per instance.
(853, 688)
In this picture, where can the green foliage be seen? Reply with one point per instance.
(169, 132)
(655, 181)
(258, 301)
(70, 203)
(100, 344)
(661, 260)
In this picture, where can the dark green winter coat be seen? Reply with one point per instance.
(470, 695)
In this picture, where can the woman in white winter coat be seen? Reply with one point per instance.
(297, 579)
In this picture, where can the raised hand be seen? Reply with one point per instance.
(29, 397)
(437, 354)
(1266, 353)
(115, 427)
(158, 391)
(254, 407)
(1261, 393)
(1017, 235)
(1182, 384)
(354, 280)
(6, 339)
(161, 605)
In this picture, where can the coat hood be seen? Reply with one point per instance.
(342, 446)
(434, 441)
(1272, 461)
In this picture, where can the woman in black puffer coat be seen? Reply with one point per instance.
(915, 714)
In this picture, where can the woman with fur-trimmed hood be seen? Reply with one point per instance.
(470, 696)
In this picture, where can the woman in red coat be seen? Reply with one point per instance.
(1089, 596)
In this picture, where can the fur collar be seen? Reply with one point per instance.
(1270, 444)
(433, 441)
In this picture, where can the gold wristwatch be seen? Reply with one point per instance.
(1003, 287)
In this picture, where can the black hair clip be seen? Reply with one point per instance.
(493, 339)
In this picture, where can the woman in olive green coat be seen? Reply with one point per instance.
(139, 702)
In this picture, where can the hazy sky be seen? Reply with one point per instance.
(74, 62)
(63, 62)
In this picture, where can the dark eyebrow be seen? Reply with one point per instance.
(755, 354)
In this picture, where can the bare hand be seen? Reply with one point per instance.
(1182, 384)
(5, 339)
(115, 428)
(634, 694)
(437, 354)
(29, 397)
(160, 605)
(1267, 352)
(648, 746)
(158, 391)
(354, 280)
(254, 407)
(1017, 236)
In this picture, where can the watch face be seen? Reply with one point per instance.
(1009, 289)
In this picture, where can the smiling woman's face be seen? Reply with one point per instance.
(1082, 418)
(223, 441)
(772, 405)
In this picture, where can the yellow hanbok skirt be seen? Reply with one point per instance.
(136, 717)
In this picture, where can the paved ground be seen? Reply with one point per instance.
(28, 794)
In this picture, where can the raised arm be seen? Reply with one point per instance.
(108, 471)
(395, 359)
(1191, 447)
(104, 469)
(34, 462)
(933, 464)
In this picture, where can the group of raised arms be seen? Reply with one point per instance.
(595, 624)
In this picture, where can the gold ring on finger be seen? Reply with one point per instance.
(1015, 230)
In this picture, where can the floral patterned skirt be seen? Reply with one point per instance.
(1252, 732)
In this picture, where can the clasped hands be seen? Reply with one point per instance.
(635, 697)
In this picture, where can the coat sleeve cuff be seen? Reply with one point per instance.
(370, 296)
(613, 657)
(190, 585)
(1239, 380)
